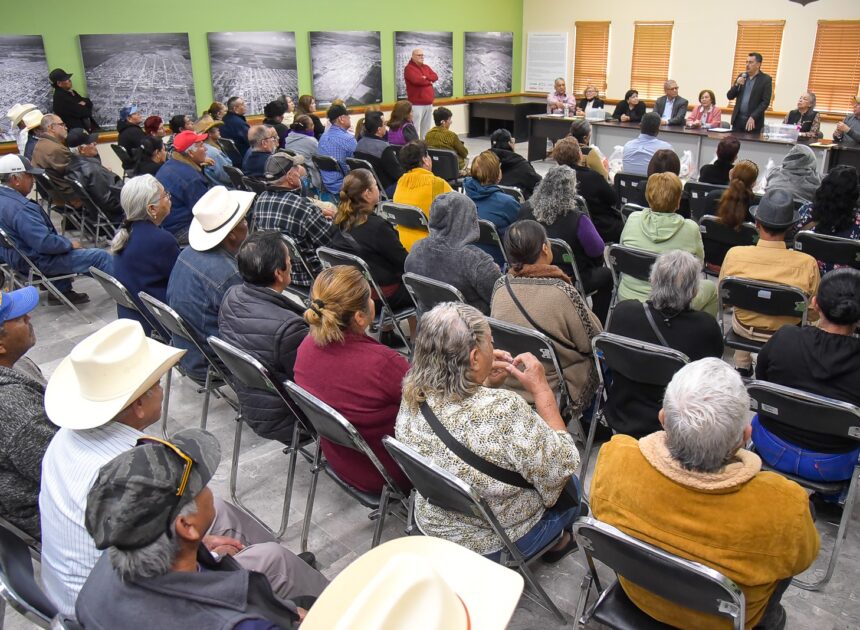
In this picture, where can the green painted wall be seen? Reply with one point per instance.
(60, 21)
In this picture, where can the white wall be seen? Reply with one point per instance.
(703, 41)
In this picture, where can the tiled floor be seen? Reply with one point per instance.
(340, 530)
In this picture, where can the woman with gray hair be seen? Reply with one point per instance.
(143, 253)
(451, 390)
(632, 407)
(594, 159)
(554, 206)
(808, 120)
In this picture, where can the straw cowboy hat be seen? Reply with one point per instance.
(32, 119)
(215, 214)
(206, 123)
(104, 374)
(419, 583)
(17, 111)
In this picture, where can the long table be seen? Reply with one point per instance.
(513, 110)
(701, 144)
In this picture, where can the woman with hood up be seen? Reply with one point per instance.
(797, 174)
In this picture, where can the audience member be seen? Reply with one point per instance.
(554, 205)
(143, 253)
(26, 430)
(339, 144)
(693, 490)
(495, 206)
(671, 108)
(152, 156)
(182, 176)
(417, 187)
(290, 110)
(639, 151)
(204, 271)
(516, 170)
(236, 127)
(401, 130)
(74, 110)
(664, 161)
(706, 114)
(17, 126)
(168, 575)
(217, 110)
(441, 136)
(154, 126)
(302, 142)
(848, 131)
(808, 120)
(381, 155)
(274, 113)
(130, 131)
(178, 124)
(733, 203)
(100, 183)
(32, 122)
(599, 195)
(33, 233)
(559, 99)
(769, 260)
(53, 156)
(263, 140)
(214, 171)
(419, 79)
(449, 253)
(632, 405)
(659, 229)
(339, 313)
(258, 318)
(590, 101)
(631, 109)
(307, 106)
(453, 385)
(538, 295)
(282, 207)
(717, 172)
(752, 89)
(798, 174)
(580, 129)
(834, 210)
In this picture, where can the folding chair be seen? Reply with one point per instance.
(830, 250)
(36, 276)
(230, 150)
(254, 375)
(172, 322)
(514, 192)
(629, 208)
(631, 188)
(296, 258)
(489, 236)
(333, 426)
(427, 292)
(451, 493)
(447, 166)
(638, 361)
(631, 261)
(254, 185)
(719, 239)
(327, 163)
(700, 203)
(824, 416)
(758, 296)
(332, 257)
(517, 340)
(563, 254)
(354, 163)
(18, 586)
(403, 215)
(103, 223)
(123, 297)
(61, 622)
(47, 190)
(129, 163)
(683, 582)
(237, 177)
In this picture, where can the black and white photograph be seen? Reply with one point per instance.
(488, 62)
(150, 70)
(438, 47)
(258, 66)
(346, 65)
(23, 77)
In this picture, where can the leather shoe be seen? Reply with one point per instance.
(308, 558)
(72, 296)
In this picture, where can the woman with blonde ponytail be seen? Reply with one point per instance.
(143, 253)
(350, 371)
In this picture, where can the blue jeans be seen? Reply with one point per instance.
(75, 261)
(787, 457)
(548, 528)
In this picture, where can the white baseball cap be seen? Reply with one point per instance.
(17, 164)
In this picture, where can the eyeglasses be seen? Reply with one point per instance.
(186, 473)
(55, 124)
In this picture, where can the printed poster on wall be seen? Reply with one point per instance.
(346, 65)
(546, 60)
(488, 62)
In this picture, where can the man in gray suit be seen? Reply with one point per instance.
(671, 108)
(752, 89)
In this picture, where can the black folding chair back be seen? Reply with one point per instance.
(718, 239)
(123, 297)
(296, 257)
(327, 163)
(427, 292)
(254, 185)
(562, 255)
(631, 188)
(354, 163)
(230, 150)
(403, 215)
(630, 261)
(514, 192)
(103, 222)
(18, 584)
(237, 177)
(128, 162)
(700, 203)
(831, 250)
(629, 208)
(446, 165)
(686, 583)
(489, 236)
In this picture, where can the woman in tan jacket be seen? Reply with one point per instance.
(547, 297)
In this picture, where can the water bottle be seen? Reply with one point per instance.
(566, 110)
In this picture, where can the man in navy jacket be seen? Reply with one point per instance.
(236, 127)
(182, 176)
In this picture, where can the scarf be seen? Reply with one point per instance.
(537, 270)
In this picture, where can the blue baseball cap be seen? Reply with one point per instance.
(125, 112)
(18, 303)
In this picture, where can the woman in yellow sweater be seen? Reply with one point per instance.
(417, 187)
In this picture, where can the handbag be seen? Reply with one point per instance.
(566, 500)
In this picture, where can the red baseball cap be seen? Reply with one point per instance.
(185, 139)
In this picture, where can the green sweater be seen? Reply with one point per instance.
(441, 138)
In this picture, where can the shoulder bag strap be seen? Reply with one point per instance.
(533, 323)
(510, 477)
(653, 324)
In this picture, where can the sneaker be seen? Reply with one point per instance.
(308, 558)
(551, 557)
(72, 296)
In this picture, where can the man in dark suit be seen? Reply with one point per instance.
(752, 89)
(671, 108)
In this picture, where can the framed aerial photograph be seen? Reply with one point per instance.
(346, 65)
(23, 78)
(488, 62)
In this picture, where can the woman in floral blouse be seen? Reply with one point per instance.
(455, 370)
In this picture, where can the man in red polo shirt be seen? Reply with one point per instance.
(419, 90)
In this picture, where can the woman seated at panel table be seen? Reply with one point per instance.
(706, 114)
(631, 109)
(591, 101)
(808, 120)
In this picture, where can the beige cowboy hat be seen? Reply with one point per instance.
(215, 214)
(17, 111)
(104, 374)
(206, 123)
(419, 583)
(32, 119)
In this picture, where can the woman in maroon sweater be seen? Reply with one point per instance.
(358, 376)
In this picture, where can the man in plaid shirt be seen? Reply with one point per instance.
(283, 208)
(339, 143)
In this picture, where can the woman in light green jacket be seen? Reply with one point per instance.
(659, 229)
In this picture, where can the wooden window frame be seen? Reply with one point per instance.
(763, 37)
(651, 59)
(833, 75)
(590, 63)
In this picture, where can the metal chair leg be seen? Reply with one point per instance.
(540, 594)
(207, 390)
(315, 470)
(166, 403)
(592, 431)
(291, 476)
(584, 587)
(380, 521)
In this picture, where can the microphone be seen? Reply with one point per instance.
(745, 75)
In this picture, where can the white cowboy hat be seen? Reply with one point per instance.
(104, 374)
(420, 583)
(17, 111)
(32, 119)
(215, 214)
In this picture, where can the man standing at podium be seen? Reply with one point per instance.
(752, 89)
(419, 79)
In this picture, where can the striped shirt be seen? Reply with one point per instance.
(340, 144)
(69, 469)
